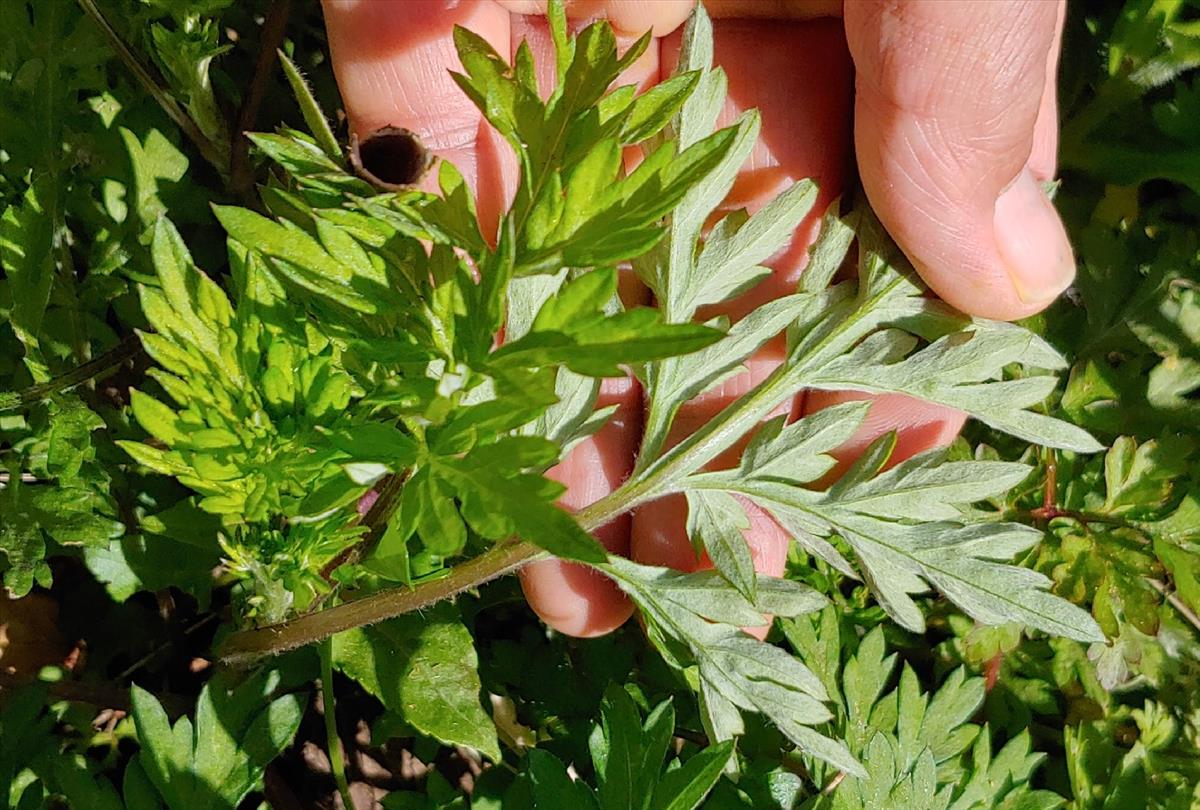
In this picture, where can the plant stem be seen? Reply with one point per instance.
(127, 349)
(249, 645)
(337, 760)
(1175, 602)
(1044, 514)
(833, 783)
(142, 73)
(241, 175)
(376, 520)
(107, 695)
(694, 452)
(654, 481)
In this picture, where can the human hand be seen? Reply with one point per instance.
(954, 128)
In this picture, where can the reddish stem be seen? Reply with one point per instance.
(991, 672)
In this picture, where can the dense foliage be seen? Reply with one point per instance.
(256, 426)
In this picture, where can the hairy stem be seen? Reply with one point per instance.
(249, 645)
(106, 695)
(718, 434)
(376, 520)
(1044, 514)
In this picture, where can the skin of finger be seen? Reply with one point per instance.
(629, 16)
(572, 598)
(948, 92)
(920, 425)
(798, 75)
(393, 63)
(664, 16)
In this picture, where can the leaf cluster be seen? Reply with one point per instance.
(919, 750)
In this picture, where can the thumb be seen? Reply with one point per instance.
(955, 129)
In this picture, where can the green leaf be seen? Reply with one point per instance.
(190, 308)
(218, 760)
(716, 523)
(731, 257)
(600, 349)
(685, 787)
(186, 52)
(828, 253)
(374, 441)
(628, 755)
(736, 671)
(677, 380)
(25, 738)
(577, 304)
(423, 668)
(27, 254)
(158, 168)
(137, 789)
(318, 125)
(156, 418)
(1140, 479)
(710, 596)
(891, 521)
(925, 488)
(799, 452)
(653, 109)
(1177, 544)
(955, 371)
(69, 439)
(916, 749)
(83, 787)
(71, 514)
(618, 774)
(151, 562)
(575, 326)
(499, 505)
(298, 258)
(552, 787)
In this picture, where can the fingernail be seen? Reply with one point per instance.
(1032, 242)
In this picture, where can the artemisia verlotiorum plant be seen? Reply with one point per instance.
(358, 350)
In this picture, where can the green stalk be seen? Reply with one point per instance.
(126, 349)
(718, 434)
(336, 756)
